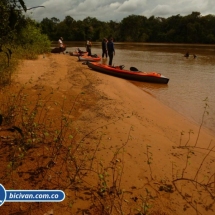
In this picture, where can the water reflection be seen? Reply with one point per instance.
(151, 86)
(191, 79)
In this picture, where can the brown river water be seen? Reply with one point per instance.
(192, 80)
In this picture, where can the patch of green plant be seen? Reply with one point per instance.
(30, 42)
(20, 38)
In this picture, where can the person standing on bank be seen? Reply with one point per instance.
(104, 48)
(61, 45)
(111, 50)
(88, 47)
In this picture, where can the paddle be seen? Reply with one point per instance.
(134, 69)
(85, 62)
(121, 66)
(94, 55)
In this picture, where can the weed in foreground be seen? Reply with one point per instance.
(200, 186)
(42, 150)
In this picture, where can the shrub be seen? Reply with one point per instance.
(31, 42)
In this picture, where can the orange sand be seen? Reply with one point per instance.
(121, 114)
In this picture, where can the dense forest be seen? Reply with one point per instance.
(193, 28)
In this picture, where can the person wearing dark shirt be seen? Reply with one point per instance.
(104, 48)
(111, 50)
(187, 55)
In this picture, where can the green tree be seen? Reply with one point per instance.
(208, 32)
(132, 28)
(91, 26)
(10, 18)
(49, 27)
(172, 29)
(192, 28)
(17, 34)
(30, 38)
(79, 31)
(68, 24)
(12, 21)
(113, 30)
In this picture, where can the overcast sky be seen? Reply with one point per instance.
(106, 10)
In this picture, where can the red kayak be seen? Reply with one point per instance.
(132, 74)
(78, 52)
(91, 58)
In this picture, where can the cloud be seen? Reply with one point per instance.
(182, 7)
(131, 5)
(93, 8)
(115, 5)
(161, 10)
(106, 10)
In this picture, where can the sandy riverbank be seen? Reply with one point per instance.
(110, 114)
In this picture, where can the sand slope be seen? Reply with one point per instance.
(118, 115)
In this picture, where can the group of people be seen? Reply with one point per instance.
(107, 49)
(188, 54)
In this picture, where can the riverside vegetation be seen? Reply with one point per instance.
(193, 28)
(20, 38)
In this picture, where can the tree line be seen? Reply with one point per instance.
(193, 28)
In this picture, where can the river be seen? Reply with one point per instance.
(192, 80)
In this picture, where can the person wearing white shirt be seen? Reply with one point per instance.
(60, 42)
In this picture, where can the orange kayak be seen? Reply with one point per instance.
(89, 58)
(78, 53)
(132, 74)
